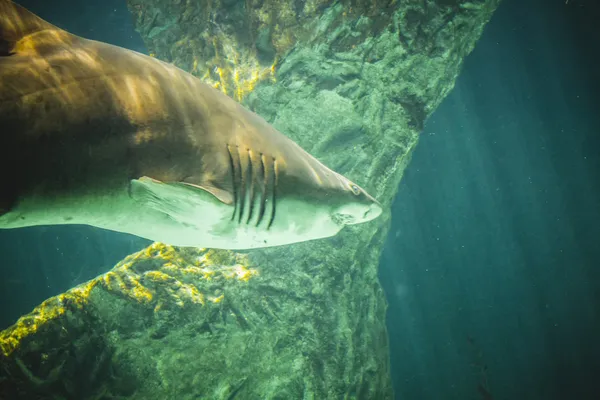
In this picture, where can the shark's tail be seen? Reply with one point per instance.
(16, 23)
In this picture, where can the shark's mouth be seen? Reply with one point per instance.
(343, 219)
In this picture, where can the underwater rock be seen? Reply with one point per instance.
(352, 82)
(170, 323)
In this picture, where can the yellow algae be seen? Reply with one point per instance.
(272, 69)
(191, 270)
(81, 294)
(236, 68)
(112, 281)
(158, 276)
(243, 78)
(202, 273)
(208, 274)
(141, 294)
(128, 285)
(190, 292)
(244, 274)
(48, 311)
(229, 70)
(216, 257)
(157, 249)
(176, 276)
(171, 268)
(217, 299)
(221, 72)
(246, 82)
(239, 272)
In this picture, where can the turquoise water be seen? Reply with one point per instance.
(491, 267)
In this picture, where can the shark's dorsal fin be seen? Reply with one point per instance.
(17, 24)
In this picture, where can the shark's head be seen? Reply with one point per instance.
(280, 193)
(317, 200)
(320, 203)
(257, 189)
(246, 185)
(291, 197)
(354, 207)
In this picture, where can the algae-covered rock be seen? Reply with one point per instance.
(352, 82)
(170, 323)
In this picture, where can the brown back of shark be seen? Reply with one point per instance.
(85, 122)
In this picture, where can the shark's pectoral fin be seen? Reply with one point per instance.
(181, 201)
(144, 191)
(223, 195)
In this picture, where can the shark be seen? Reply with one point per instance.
(96, 134)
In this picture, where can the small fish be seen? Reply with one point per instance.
(100, 135)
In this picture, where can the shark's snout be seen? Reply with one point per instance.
(357, 213)
(372, 212)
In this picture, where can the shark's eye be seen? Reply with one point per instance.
(355, 189)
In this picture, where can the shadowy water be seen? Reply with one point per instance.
(492, 265)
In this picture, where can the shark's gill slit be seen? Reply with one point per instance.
(273, 193)
(263, 199)
(251, 195)
(244, 182)
(234, 173)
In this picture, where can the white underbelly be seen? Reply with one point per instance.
(209, 226)
(203, 224)
(115, 211)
